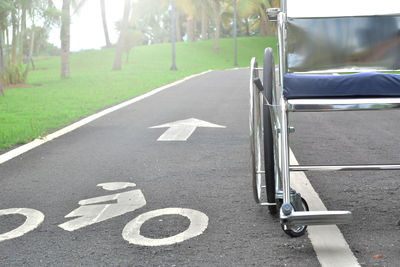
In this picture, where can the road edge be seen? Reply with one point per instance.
(40, 141)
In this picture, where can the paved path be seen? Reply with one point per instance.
(118, 159)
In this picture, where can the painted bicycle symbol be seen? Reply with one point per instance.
(99, 209)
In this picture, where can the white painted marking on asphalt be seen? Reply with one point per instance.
(183, 129)
(89, 214)
(37, 142)
(198, 224)
(328, 242)
(116, 185)
(33, 219)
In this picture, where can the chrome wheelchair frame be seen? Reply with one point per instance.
(269, 126)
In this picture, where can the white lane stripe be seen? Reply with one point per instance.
(37, 142)
(328, 242)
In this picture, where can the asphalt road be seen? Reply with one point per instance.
(208, 173)
(373, 196)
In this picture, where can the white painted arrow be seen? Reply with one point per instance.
(182, 130)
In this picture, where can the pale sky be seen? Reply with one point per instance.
(86, 26)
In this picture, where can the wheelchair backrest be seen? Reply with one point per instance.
(342, 35)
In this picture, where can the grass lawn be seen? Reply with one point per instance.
(50, 102)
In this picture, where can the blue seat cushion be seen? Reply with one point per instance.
(358, 85)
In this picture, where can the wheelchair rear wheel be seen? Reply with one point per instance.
(269, 166)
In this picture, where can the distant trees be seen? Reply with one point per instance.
(201, 19)
(217, 20)
(17, 41)
(258, 9)
(149, 22)
(24, 26)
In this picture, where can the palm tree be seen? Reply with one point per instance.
(245, 10)
(65, 33)
(103, 17)
(122, 36)
(189, 7)
(48, 15)
(204, 19)
(217, 18)
(65, 38)
(15, 28)
(260, 7)
(5, 8)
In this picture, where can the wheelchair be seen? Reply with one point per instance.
(330, 58)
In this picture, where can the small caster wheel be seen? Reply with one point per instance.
(297, 231)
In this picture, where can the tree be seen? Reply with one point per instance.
(48, 15)
(204, 19)
(259, 8)
(65, 33)
(15, 27)
(152, 18)
(217, 19)
(104, 20)
(122, 36)
(190, 8)
(133, 38)
(5, 8)
(1, 88)
(65, 38)
(14, 14)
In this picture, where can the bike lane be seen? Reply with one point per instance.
(208, 173)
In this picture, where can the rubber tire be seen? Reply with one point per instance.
(269, 167)
(292, 233)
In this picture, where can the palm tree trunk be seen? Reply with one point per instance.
(21, 37)
(30, 54)
(1, 89)
(217, 18)
(65, 38)
(33, 64)
(103, 17)
(122, 36)
(247, 27)
(190, 28)
(14, 38)
(2, 68)
(7, 47)
(204, 20)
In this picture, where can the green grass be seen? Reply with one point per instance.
(51, 103)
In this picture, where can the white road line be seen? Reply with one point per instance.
(328, 242)
(37, 142)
